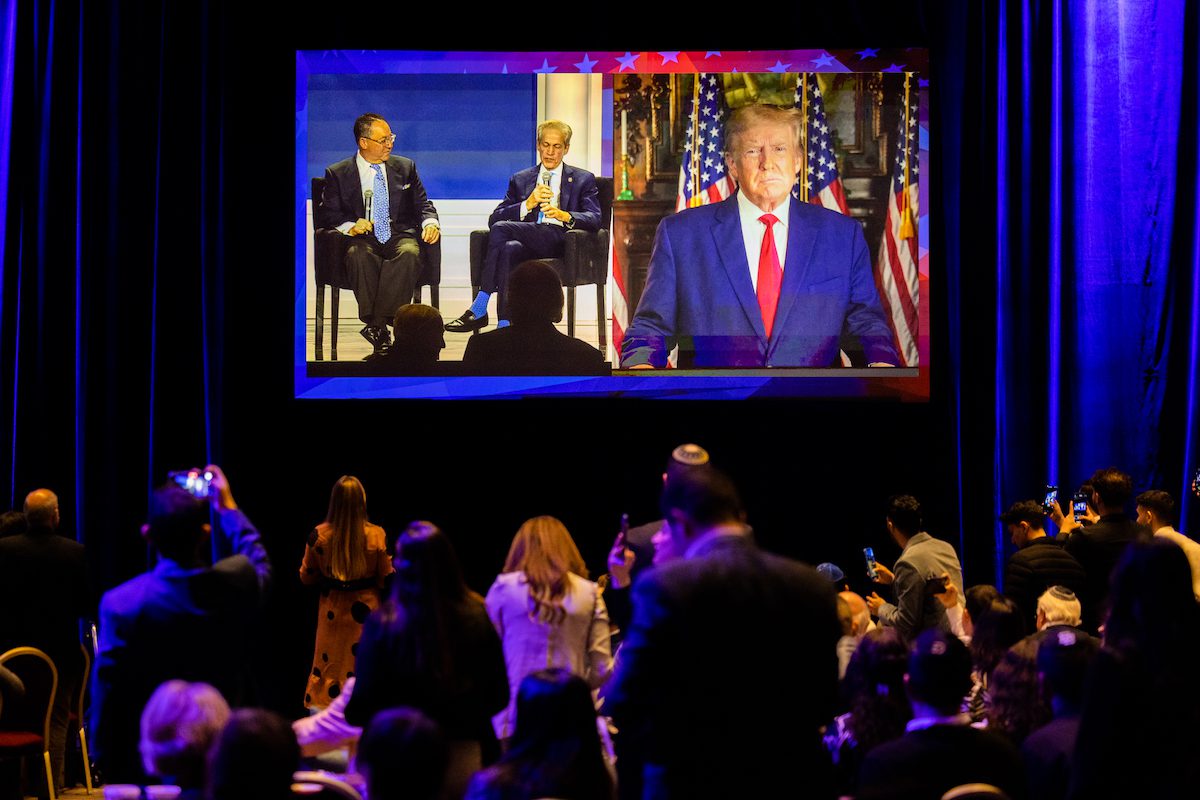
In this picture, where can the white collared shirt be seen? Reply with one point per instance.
(753, 230)
(555, 186)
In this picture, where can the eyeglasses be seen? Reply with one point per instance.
(386, 141)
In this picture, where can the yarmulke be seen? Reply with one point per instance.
(831, 572)
(690, 455)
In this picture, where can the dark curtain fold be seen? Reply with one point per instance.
(113, 251)
(1077, 262)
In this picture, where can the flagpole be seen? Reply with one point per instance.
(804, 137)
(907, 229)
(695, 199)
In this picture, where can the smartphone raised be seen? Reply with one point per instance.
(1050, 498)
(872, 565)
(196, 482)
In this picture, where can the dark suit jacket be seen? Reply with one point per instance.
(924, 764)
(578, 195)
(699, 295)
(1097, 548)
(342, 200)
(531, 349)
(174, 622)
(44, 591)
(1035, 568)
(726, 674)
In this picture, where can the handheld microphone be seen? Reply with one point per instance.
(546, 177)
(368, 197)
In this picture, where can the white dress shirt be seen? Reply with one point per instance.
(555, 186)
(753, 230)
(366, 178)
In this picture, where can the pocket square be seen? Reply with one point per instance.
(405, 186)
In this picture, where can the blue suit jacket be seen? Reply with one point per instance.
(699, 295)
(174, 622)
(578, 195)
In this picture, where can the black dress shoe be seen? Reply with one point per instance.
(467, 323)
(371, 334)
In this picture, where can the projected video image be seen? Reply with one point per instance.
(693, 225)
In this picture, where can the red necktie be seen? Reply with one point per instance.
(770, 274)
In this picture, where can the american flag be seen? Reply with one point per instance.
(702, 177)
(821, 174)
(896, 273)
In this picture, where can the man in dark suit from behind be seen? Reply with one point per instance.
(383, 261)
(939, 750)
(1098, 547)
(184, 619)
(729, 668)
(1040, 561)
(44, 592)
(532, 345)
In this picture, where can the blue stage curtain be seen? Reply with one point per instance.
(1076, 124)
(113, 255)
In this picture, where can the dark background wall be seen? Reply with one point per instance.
(145, 304)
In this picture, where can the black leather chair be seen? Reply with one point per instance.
(584, 261)
(329, 267)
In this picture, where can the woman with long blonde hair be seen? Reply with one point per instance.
(547, 612)
(347, 557)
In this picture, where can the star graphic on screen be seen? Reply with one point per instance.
(711, 53)
(895, 68)
(779, 66)
(545, 67)
(627, 60)
(505, 70)
(670, 57)
(866, 53)
(587, 64)
(824, 61)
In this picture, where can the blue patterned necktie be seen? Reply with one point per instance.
(379, 206)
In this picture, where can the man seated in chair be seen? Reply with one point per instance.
(378, 199)
(541, 205)
(532, 345)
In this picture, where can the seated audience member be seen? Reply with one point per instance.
(531, 345)
(939, 750)
(253, 758)
(419, 341)
(856, 622)
(1156, 510)
(707, 688)
(1058, 606)
(1015, 705)
(183, 619)
(432, 647)
(978, 599)
(1040, 561)
(44, 593)
(403, 756)
(1139, 731)
(12, 522)
(874, 689)
(555, 750)
(179, 725)
(1098, 546)
(997, 628)
(1062, 661)
(327, 730)
(922, 558)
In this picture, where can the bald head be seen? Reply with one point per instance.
(41, 509)
(859, 613)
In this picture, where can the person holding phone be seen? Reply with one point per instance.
(923, 558)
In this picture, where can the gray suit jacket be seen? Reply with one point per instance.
(923, 557)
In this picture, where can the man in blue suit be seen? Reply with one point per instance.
(760, 279)
(542, 203)
(185, 619)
